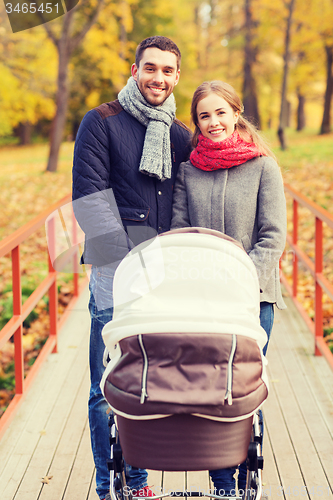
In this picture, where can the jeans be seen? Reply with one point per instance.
(223, 479)
(101, 311)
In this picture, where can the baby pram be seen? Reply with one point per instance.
(187, 374)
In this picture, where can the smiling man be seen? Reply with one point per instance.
(131, 148)
(156, 73)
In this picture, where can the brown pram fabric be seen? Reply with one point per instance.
(184, 442)
(187, 373)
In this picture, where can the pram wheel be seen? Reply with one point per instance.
(254, 462)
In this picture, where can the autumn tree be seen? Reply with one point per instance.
(250, 99)
(326, 121)
(307, 69)
(27, 78)
(101, 64)
(326, 34)
(286, 60)
(66, 37)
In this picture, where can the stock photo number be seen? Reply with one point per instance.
(32, 8)
(23, 15)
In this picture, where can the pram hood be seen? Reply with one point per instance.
(186, 282)
(196, 290)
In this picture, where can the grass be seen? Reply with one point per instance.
(26, 188)
(307, 164)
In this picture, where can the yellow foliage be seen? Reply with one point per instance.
(27, 83)
(93, 99)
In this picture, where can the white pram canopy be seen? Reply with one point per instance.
(189, 280)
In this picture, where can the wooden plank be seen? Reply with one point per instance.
(34, 427)
(45, 384)
(155, 481)
(286, 460)
(271, 483)
(82, 475)
(199, 481)
(41, 459)
(18, 431)
(311, 436)
(298, 432)
(65, 453)
(174, 481)
(316, 366)
(316, 370)
(92, 493)
(31, 436)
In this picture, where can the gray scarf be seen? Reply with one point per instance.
(156, 154)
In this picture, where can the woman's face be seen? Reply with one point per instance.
(216, 118)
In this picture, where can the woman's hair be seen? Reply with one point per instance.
(246, 130)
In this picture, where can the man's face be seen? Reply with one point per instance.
(156, 75)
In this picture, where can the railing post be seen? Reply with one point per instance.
(17, 311)
(295, 238)
(53, 291)
(318, 288)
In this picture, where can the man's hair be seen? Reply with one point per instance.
(160, 42)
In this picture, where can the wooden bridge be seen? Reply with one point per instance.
(45, 453)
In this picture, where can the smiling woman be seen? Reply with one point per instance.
(232, 184)
(216, 118)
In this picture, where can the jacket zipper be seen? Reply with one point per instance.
(144, 394)
(228, 394)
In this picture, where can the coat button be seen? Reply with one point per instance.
(142, 216)
(160, 192)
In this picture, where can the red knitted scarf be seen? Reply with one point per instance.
(210, 155)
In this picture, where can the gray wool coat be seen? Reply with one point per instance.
(246, 202)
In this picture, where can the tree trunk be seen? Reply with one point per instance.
(59, 121)
(123, 44)
(65, 46)
(300, 112)
(75, 128)
(198, 31)
(24, 131)
(286, 57)
(250, 100)
(326, 123)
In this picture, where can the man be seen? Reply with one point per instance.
(126, 158)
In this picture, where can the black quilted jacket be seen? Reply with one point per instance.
(109, 192)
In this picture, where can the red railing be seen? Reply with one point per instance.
(11, 245)
(315, 268)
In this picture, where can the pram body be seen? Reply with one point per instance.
(187, 372)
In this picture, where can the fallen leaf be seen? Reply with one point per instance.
(46, 479)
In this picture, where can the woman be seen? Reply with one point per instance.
(233, 184)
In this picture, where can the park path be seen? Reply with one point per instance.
(45, 454)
